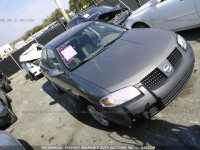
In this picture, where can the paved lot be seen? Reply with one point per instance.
(46, 118)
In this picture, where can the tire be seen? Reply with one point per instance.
(140, 25)
(7, 87)
(13, 117)
(97, 115)
(6, 79)
(9, 81)
(30, 75)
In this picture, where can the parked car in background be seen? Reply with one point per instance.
(5, 83)
(30, 60)
(7, 116)
(9, 142)
(121, 75)
(116, 15)
(175, 15)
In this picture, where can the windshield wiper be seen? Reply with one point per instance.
(84, 61)
(98, 52)
(108, 44)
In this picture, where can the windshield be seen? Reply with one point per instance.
(87, 43)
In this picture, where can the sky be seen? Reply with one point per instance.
(19, 16)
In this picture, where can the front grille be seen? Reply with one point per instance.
(157, 76)
(154, 78)
(163, 103)
(175, 58)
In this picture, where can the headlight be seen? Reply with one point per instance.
(120, 97)
(181, 41)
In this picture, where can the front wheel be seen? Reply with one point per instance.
(7, 87)
(31, 76)
(98, 116)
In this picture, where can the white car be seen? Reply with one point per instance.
(30, 60)
(175, 15)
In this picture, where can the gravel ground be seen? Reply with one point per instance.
(46, 118)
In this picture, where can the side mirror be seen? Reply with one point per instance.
(155, 2)
(55, 72)
(56, 65)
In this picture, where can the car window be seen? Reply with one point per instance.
(68, 26)
(86, 43)
(52, 61)
(94, 16)
(78, 21)
(73, 23)
(44, 58)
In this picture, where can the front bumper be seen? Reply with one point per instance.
(33, 69)
(154, 100)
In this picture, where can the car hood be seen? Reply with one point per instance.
(31, 54)
(115, 10)
(112, 12)
(129, 59)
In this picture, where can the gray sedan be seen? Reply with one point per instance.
(121, 75)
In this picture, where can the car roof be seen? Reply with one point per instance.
(67, 34)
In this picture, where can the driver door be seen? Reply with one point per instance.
(62, 81)
(174, 14)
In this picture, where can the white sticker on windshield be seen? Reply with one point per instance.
(68, 53)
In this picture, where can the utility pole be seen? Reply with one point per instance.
(62, 10)
(62, 22)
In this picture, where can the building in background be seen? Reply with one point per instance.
(5, 50)
(20, 44)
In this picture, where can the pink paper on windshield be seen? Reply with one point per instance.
(68, 53)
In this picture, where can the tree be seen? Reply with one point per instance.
(78, 5)
(55, 15)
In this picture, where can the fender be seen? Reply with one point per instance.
(141, 15)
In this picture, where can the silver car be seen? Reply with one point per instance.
(121, 75)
